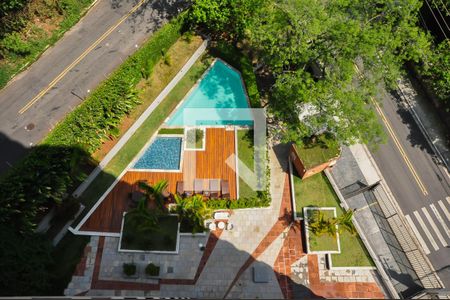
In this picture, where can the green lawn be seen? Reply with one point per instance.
(315, 153)
(246, 155)
(316, 191)
(164, 238)
(324, 242)
(171, 131)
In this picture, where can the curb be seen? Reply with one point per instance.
(389, 288)
(422, 127)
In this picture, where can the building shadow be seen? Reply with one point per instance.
(39, 184)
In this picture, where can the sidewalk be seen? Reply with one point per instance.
(382, 229)
(427, 119)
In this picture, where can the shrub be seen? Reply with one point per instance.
(129, 269)
(12, 43)
(152, 270)
(262, 200)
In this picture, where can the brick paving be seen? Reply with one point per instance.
(339, 289)
(271, 240)
(291, 251)
(284, 219)
(81, 266)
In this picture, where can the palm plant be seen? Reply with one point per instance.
(345, 222)
(154, 194)
(320, 225)
(142, 218)
(193, 210)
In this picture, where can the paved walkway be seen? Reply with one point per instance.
(264, 237)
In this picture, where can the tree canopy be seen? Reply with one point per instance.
(311, 47)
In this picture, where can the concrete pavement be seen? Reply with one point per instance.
(27, 125)
(420, 189)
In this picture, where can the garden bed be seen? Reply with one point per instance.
(164, 238)
(324, 243)
(316, 191)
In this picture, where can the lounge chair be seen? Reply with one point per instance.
(180, 188)
(198, 186)
(214, 188)
(225, 187)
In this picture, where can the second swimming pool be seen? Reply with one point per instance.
(220, 87)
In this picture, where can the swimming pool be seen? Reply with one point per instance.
(221, 87)
(163, 154)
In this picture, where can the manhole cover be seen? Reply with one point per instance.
(30, 126)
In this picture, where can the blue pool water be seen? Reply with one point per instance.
(221, 87)
(163, 154)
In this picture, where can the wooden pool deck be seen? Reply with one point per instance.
(207, 164)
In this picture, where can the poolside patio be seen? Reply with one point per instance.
(208, 164)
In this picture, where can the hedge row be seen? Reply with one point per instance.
(99, 116)
(52, 168)
(262, 200)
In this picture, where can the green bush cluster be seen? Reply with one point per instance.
(129, 269)
(21, 42)
(152, 270)
(262, 200)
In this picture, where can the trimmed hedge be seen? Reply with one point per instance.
(262, 200)
(99, 116)
(52, 168)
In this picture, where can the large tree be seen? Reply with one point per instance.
(311, 47)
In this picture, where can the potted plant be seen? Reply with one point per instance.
(152, 270)
(129, 269)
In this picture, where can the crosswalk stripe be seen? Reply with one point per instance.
(440, 219)
(448, 200)
(425, 229)
(433, 225)
(416, 232)
(444, 209)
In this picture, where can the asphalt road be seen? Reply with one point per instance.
(422, 190)
(85, 56)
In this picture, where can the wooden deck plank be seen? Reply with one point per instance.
(207, 164)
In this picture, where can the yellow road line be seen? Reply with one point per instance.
(76, 61)
(397, 142)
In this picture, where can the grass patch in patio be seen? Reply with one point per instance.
(171, 131)
(316, 191)
(314, 153)
(324, 242)
(246, 150)
(164, 238)
(194, 138)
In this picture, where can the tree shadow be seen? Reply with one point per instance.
(40, 183)
(153, 14)
(415, 136)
